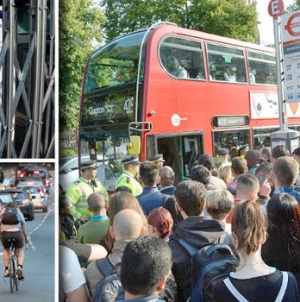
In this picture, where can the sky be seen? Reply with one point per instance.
(266, 26)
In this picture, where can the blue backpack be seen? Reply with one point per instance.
(109, 288)
(208, 265)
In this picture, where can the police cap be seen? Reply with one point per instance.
(244, 148)
(206, 158)
(156, 157)
(132, 159)
(91, 164)
(223, 151)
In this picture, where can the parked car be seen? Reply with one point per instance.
(68, 173)
(33, 171)
(37, 191)
(21, 199)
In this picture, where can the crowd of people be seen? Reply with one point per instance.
(250, 203)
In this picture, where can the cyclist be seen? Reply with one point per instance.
(13, 227)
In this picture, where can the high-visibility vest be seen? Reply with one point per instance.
(78, 193)
(128, 180)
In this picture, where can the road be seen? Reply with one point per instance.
(39, 263)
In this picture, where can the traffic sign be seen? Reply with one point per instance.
(291, 52)
(276, 8)
(293, 24)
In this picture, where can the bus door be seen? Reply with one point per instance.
(232, 139)
(180, 151)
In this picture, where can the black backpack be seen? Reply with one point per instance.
(10, 216)
(208, 265)
(109, 288)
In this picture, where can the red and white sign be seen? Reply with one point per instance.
(291, 55)
(276, 8)
(291, 27)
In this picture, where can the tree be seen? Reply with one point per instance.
(80, 24)
(230, 18)
(295, 6)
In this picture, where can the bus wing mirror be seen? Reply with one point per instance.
(134, 146)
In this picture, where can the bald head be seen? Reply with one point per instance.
(167, 176)
(128, 224)
(96, 201)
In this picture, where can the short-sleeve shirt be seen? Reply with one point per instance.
(71, 275)
(21, 219)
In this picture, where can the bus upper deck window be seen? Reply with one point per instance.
(262, 68)
(182, 57)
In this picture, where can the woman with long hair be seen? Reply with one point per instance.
(282, 248)
(253, 279)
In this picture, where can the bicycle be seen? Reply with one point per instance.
(13, 265)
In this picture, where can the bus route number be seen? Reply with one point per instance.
(128, 104)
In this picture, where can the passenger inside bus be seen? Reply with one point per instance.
(228, 77)
(241, 75)
(261, 77)
(175, 69)
(201, 74)
(251, 76)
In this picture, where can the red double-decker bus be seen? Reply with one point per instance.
(178, 92)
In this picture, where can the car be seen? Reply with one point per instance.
(33, 171)
(68, 172)
(21, 170)
(21, 199)
(37, 191)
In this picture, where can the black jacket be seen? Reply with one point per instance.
(199, 232)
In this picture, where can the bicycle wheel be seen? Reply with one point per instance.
(16, 274)
(16, 280)
(12, 272)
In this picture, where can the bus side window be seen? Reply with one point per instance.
(224, 62)
(262, 68)
(181, 57)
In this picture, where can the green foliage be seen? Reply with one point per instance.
(67, 152)
(80, 23)
(295, 6)
(230, 18)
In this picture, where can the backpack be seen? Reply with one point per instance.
(208, 265)
(109, 288)
(241, 298)
(10, 216)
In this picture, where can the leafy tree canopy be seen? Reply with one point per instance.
(80, 23)
(295, 6)
(230, 18)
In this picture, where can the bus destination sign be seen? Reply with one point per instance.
(230, 121)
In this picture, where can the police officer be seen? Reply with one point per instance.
(79, 191)
(158, 160)
(223, 157)
(131, 169)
